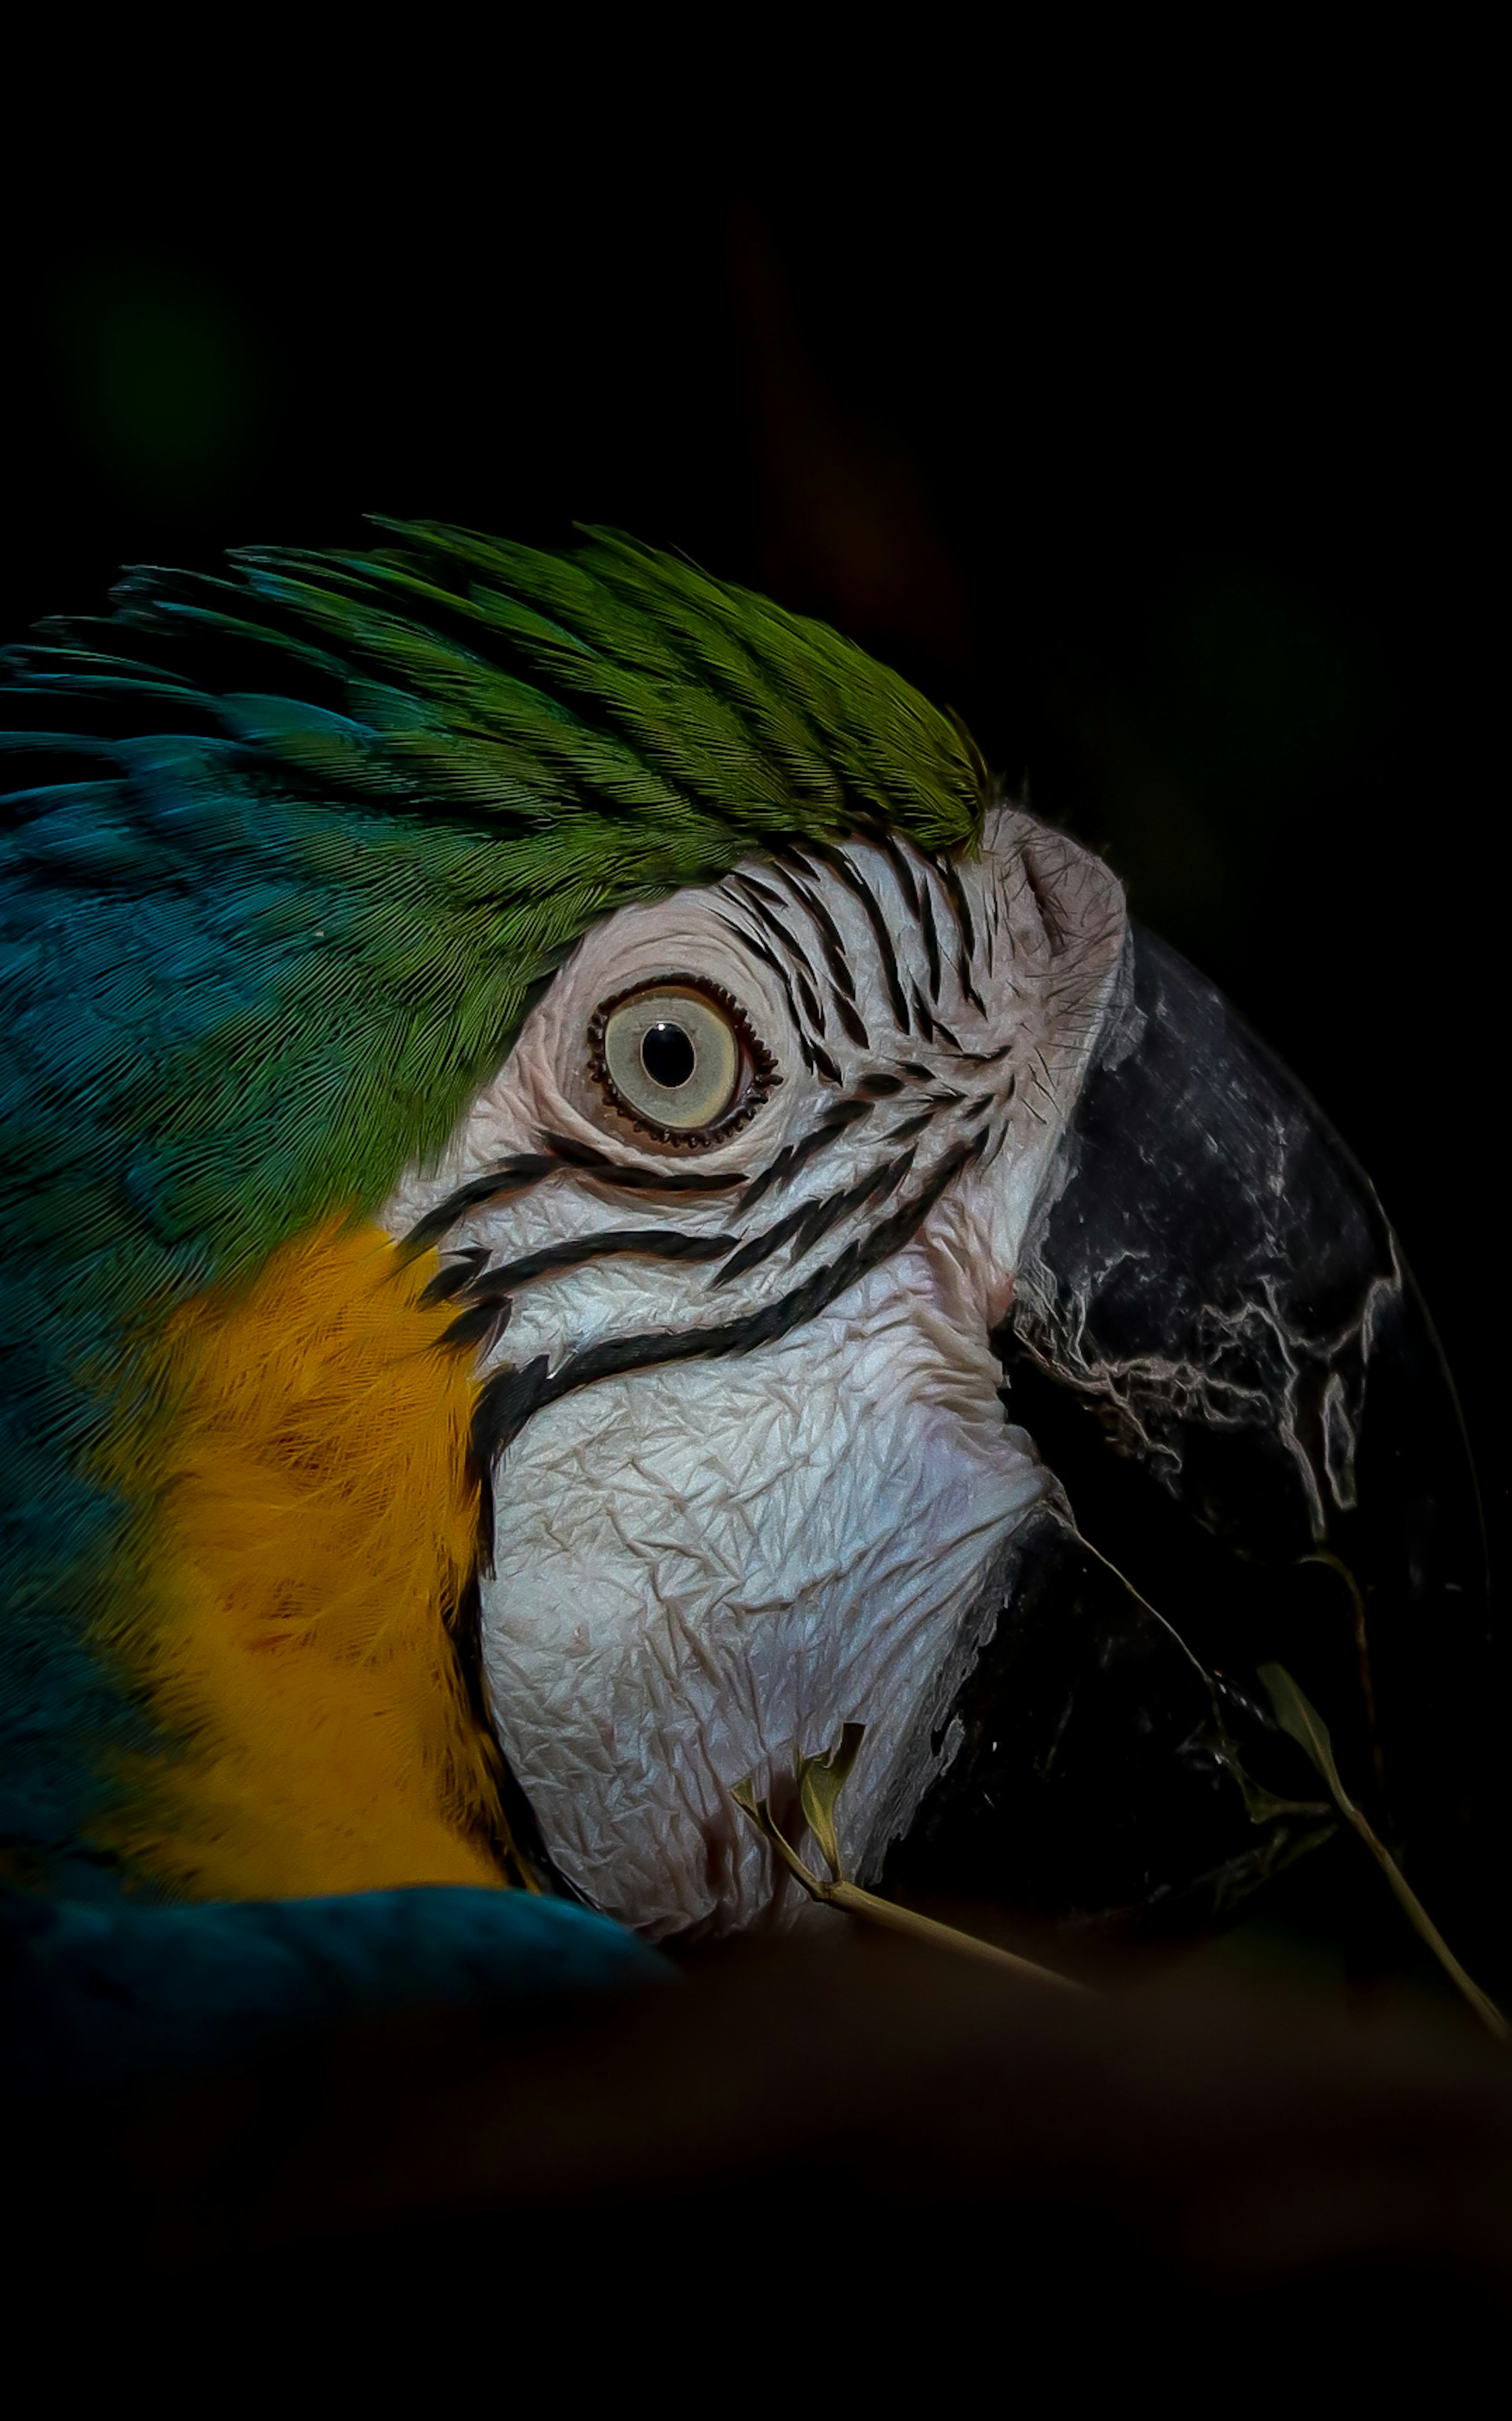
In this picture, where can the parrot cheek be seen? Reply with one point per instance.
(701, 1573)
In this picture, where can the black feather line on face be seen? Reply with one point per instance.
(518, 1842)
(758, 889)
(909, 1126)
(813, 1005)
(786, 1164)
(985, 1058)
(816, 1060)
(876, 1186)
(497, 1285)
(855, 881)
(604, 1171)
(757, 898)
(931, 941)
(901, 869)
(528, 1169)
(803, 1226)
(512, 1177)
(851, 1019)
(451, 1280)
(828, 931)
(818, 1218)
(760, 1248)
(504, 1406)
(955, 891)
(480, 1325)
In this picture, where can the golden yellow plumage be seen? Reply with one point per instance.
(313, 1529)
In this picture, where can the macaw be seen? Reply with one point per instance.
(568, 1154)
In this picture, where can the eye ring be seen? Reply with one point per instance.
(755, 1069)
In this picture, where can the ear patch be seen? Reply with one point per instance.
(312, 1532)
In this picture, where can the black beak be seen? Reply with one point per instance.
(1221, 1354)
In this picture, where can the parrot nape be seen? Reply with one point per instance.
(566, 1154)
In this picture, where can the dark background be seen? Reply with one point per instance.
(1159, 445)
(1143, 412)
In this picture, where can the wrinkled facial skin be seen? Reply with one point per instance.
(757, 1477)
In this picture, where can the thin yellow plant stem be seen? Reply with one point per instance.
(1297, 1716)
(857, 1902)
(946, 1937)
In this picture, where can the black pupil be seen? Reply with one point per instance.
(666, 1054)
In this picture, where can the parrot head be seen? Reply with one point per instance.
(565, 1142)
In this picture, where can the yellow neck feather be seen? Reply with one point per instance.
(312, 1531)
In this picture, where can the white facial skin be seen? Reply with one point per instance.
(702, 1567)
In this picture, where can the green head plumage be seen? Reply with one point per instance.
(288, 853)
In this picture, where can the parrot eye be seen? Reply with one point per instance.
(680, 1058)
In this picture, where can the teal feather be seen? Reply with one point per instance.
(101, 1997)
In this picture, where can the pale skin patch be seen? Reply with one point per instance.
(702, 1568)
